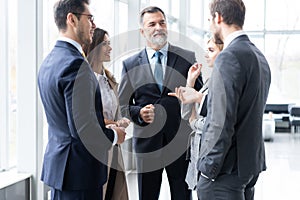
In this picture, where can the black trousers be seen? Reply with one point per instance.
(149, 183)
(227, 187)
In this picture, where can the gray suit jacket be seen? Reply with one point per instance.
(232, 136)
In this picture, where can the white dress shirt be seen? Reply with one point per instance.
(163, 57)
(232, 36)
(73, 42)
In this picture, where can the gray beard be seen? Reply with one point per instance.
(159, 41)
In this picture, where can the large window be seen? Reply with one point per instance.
(282, 51)
(276, 35)
(104, 14)
(255, 11)
(50, 31)
(274, 28)
(282, 34)
(282, 15)
(9, 109)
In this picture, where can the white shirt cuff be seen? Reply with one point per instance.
(115, 138)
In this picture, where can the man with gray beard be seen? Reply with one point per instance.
(160, 136)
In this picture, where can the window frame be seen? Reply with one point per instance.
(4, 107)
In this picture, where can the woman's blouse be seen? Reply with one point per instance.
(108, 97)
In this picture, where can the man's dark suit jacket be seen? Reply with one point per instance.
(138, 88)
(72, 102)
(232, 137)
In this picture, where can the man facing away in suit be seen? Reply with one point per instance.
(232, 148)
(78, 141)
(159, 135)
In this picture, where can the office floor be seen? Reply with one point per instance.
(280, 181)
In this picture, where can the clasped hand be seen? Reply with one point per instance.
(120, 132)
(119, 126)
(147, 113)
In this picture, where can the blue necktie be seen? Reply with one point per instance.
(158, 71)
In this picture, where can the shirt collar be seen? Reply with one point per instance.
(232, 36)
(163, 50)
(104, 74)
(73, 42)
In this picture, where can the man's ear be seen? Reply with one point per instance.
(72, 19)
(218, 19)
(142, 31)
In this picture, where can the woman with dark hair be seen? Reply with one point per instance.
(98, 52)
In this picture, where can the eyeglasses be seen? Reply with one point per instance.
(90, 17)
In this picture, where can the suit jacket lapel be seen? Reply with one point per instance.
(145, 64)
(143, 58)
(171, 63)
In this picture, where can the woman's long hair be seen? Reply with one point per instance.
(93, 52)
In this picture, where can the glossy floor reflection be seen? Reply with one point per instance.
(281, 180)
